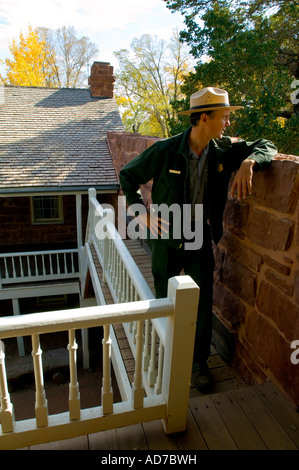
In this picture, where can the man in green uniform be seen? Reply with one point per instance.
(193, 169)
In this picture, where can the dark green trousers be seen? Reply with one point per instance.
(199, 265)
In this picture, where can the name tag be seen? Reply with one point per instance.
(176, 172)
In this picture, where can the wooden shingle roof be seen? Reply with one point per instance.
(56, 138)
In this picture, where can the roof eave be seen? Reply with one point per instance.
(30, 190)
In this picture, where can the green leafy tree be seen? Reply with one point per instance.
(241, 49)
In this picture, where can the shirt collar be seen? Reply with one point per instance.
(193, 155)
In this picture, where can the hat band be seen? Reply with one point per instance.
(210, 106)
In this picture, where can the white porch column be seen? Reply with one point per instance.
(79, 219)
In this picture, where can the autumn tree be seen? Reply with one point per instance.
(49, 58)
(148, 80)
(28, 66)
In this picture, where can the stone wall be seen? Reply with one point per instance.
(124, 146)
(256, 289)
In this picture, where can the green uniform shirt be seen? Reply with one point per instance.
(166, 162)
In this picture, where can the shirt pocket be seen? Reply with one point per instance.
(173, 178)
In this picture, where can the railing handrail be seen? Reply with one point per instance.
(84, 317)
(166, 382)
(27, 266)
(43, 252)
(171, 401)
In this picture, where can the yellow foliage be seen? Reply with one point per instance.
(28, 66)
(281, 121)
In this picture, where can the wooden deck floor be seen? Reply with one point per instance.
(232, 416)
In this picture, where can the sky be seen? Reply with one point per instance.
(110, 24)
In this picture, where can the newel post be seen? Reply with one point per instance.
(178, 356)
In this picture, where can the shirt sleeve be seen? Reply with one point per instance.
(139, 171)
(262, 151)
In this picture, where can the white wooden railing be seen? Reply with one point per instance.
(171, 404)
(160, 388)
(126, 284)
(38, 266)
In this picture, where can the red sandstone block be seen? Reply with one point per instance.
(236, 216)
(297, 287)
(246, 363)
(279, 267)
(229, 306)
(248, 256)
(274, 304)
(98, 67)
(269, 231)
(239, 279)
(279, 282)
(269, 344)
(277, 187)
(101, 79)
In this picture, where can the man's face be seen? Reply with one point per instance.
(217, 122)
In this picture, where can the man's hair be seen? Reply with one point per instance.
(195, 117)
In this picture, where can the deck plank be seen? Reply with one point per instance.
(237, 422)
(131, 437)
(105, 440)
(192, 438)
(282, 408)
(156, 438)
(263, 420)
(211, 425)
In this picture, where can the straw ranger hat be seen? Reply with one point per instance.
(209, 99)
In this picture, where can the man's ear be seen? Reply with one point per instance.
(204, 117)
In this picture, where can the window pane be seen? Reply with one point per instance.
(46, 208)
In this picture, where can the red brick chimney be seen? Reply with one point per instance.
(101, 80)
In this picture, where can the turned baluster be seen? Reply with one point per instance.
(74, 394)
(137, 388)
(107, 394)
(41, 407)
(152, 373)
(6, 407)
(158, 384)
(146, 348)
